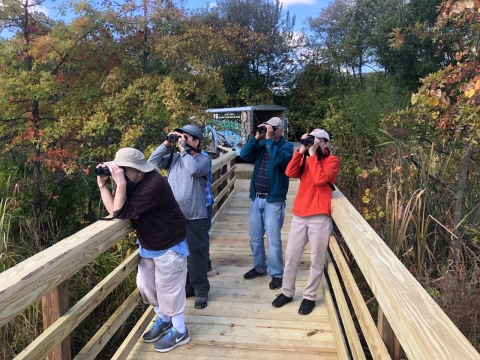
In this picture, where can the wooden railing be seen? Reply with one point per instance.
(409, 318)
(45, 276)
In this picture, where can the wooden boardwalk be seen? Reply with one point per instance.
(240, 322)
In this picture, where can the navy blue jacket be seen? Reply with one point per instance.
(280, 154)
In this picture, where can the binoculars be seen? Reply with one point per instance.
(308, 141)
(172, 137)
(102, 171)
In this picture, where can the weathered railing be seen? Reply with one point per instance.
(45, 275)
(409, 318)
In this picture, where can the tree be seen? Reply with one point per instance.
(418, 55)
(264, 43)
(341, 37)
(446, 111)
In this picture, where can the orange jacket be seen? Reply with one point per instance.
(314, 194)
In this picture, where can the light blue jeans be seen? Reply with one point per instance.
(267, 218)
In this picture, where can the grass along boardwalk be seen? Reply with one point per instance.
(240, 321)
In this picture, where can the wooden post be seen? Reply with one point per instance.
(54, 305)
(388, 336)
(215, 177)
(225, 182)
(232, 175)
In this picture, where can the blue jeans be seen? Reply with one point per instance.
(267, 218)
(209, 225)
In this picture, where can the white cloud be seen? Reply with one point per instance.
(41, 9)
(37, 8)
(287, 3)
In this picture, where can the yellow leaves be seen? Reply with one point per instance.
(458, 55)
(432, 102)
(477, 85)
(414, 99)
(469, 93)
(367, 197)
(396, 39)
(373, 212)
(364, 174)
(435, 96)
(398, 168)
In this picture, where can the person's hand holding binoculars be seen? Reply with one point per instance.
(172, 138)
(304, 144)
(104, 172)
(264, 131)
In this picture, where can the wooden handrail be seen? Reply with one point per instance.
(423, 329)
(27, 282)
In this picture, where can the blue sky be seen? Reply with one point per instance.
(300, 8)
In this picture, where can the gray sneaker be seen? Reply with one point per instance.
(157, 330)
(171, 340)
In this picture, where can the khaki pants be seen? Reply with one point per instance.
(316, 229)
(161, 282)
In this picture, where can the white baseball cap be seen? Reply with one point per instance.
(321, 134)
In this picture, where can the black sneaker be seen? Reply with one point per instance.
(306, 307)
(252, 274)
(276, 283)
(158, 329)
(171, 340)
(189, 291)
(201, 302)
(209, 265)
(281, 300)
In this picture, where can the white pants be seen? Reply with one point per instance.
(161, 282)
(316, 229)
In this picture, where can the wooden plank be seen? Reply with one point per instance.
(423, 329)
(224, 192)
(369, 329)
(334, 321)
(388, 336)
(223, 206)
(346, 318)
(51, 337)
(240, 321)
(26, 282)
(134, 335)
(54, 305)
(219, 162)
(222, 178)
(196, 351)
(105, 333)
(259, 310)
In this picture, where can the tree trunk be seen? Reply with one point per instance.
(37, 170)
(458, 204)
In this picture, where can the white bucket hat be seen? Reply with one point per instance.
(133, 158)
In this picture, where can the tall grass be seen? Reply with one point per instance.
(28, 238)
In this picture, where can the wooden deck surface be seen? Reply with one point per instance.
(240, 322)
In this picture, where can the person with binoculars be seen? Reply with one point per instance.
(161, 229)
(270, 152)
(317, 170)
(187, 175)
